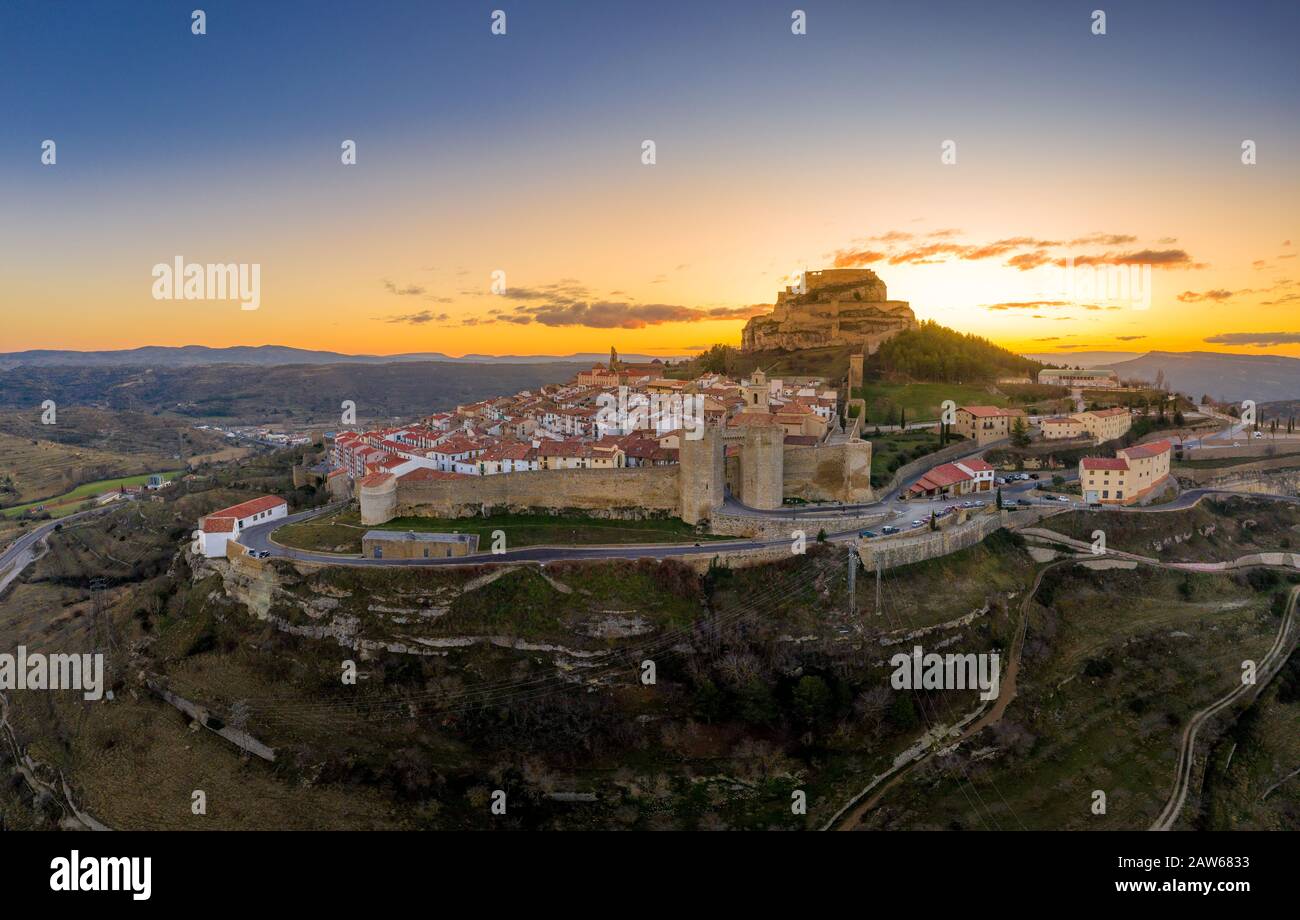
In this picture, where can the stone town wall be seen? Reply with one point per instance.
(922, 464)
(633, 492)
(1254, 477)
(829, 472)
(906, 550)
(1267, 448)
(782, 528)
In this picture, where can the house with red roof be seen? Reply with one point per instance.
(1128, 477)
(959, 478)
(985, 424)
(220, 527)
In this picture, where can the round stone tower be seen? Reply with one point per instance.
(762, 466)
(701, 480)
(377, 494)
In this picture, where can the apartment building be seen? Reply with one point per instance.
(1127, 477)
(985, 424)
(1106, 424)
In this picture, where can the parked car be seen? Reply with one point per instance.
(868, 534)
(918, 523)
(889, 529)
(1033, 475)
(1023, 501)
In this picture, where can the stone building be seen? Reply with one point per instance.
(1127, 477)
(827, 308)
(985, 424)
(410, 544)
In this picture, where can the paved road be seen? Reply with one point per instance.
(259, 539)
(22, 551)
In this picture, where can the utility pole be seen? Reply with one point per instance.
(877, 586)
(853, 579)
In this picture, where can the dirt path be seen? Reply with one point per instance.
(1269, 667)
(1006, 693)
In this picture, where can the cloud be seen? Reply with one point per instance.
(850, 258)
(1027, 260)
(566, 290)
(1106, 239)
(1219, 295)
(623, 315)
(418, 319)
(1254, 338)
(1038, 252)
(1157, 258)
(407, 291)
(1129, 338)
(1028, 304)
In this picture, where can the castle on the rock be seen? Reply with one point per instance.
(827, 308)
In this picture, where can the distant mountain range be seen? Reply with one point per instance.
(1231, 378)
(1263, 378)
(270, 355)
(1085, 358)
(280, 392)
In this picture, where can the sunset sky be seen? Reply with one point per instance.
(522, 153)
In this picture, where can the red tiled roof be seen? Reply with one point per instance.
(1143, 451)
(752, 420)
(1108, 413)
(985, 411)
(375, 479)
(218, 524)
(1060, 420)
(941, 476)
(250, 507)
(1103, 463)
(976, 465)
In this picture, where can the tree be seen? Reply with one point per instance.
(1019, 432)
(999, 498)
(812, 699)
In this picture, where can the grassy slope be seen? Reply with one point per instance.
(341, 531)
(1214, 531)
(1115, 664)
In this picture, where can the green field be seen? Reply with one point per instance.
(890, 450)
(921, 401)
(341, 531)
(67, 503)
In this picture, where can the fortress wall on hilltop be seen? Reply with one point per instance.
(629, 492)
(829, 472)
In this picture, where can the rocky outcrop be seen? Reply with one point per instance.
(828, 308)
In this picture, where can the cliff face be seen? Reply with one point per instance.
(832, 307)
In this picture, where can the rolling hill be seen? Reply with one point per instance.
(1231, 378)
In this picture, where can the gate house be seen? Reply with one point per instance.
(408, 544)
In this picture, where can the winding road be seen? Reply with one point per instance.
(1265, 671)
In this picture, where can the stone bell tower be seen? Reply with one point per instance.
(756, 392)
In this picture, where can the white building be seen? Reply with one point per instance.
(220, 527)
